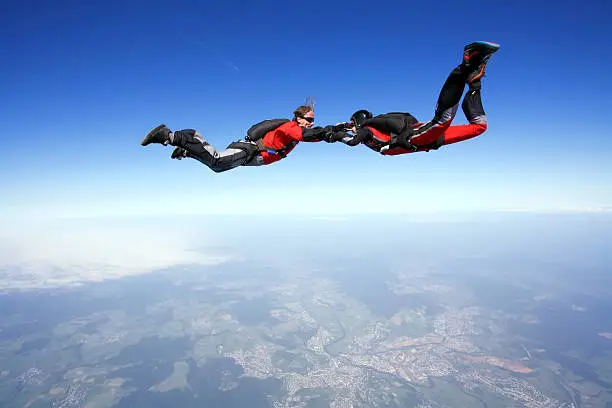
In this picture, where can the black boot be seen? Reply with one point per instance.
(477, 52)
(160, 134)
(475, 58)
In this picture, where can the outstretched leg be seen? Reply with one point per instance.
(253, 159)
(471, 69)
(235, 155)
(191, 144)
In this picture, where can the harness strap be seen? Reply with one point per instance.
(263, 148)
(402, 140)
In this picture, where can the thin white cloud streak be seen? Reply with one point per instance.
(55, 254)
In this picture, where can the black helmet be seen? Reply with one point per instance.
(360, 116)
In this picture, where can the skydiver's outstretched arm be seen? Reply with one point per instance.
(314, 134)
(362, 135)
(328, 134)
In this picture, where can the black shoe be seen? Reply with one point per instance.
(477, 52)
(475, 58)
(161, 135)
(178, 153)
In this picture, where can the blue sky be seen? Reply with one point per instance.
(82, 82)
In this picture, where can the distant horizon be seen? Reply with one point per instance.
(67, 250)
(331, 215)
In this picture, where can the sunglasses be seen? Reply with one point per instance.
(309, 120)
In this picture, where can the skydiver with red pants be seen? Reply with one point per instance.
(399, 132)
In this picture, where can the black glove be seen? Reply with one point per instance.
(335, 133)
(342, 126)
(328, 134)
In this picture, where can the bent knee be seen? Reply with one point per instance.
(218, 166)
(479, 128)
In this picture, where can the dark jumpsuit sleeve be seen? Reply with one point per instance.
(361, 136)
(315, 134)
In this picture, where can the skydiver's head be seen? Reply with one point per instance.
(304, 116)
(359, 117)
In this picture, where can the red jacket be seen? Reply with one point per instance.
(286, 137)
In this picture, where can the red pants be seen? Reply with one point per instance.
(439, 132)
(443, 133)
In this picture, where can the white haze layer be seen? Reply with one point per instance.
(61, 254)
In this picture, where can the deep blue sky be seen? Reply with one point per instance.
(82, 82)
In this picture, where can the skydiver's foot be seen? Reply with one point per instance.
(160, 134)
(477, 52)
(475, 58)
(179, 153)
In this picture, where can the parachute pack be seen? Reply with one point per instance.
(392, 122)
(259, 130)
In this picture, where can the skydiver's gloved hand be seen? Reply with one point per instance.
(342, 126)
(335, 133)
(328, 134)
